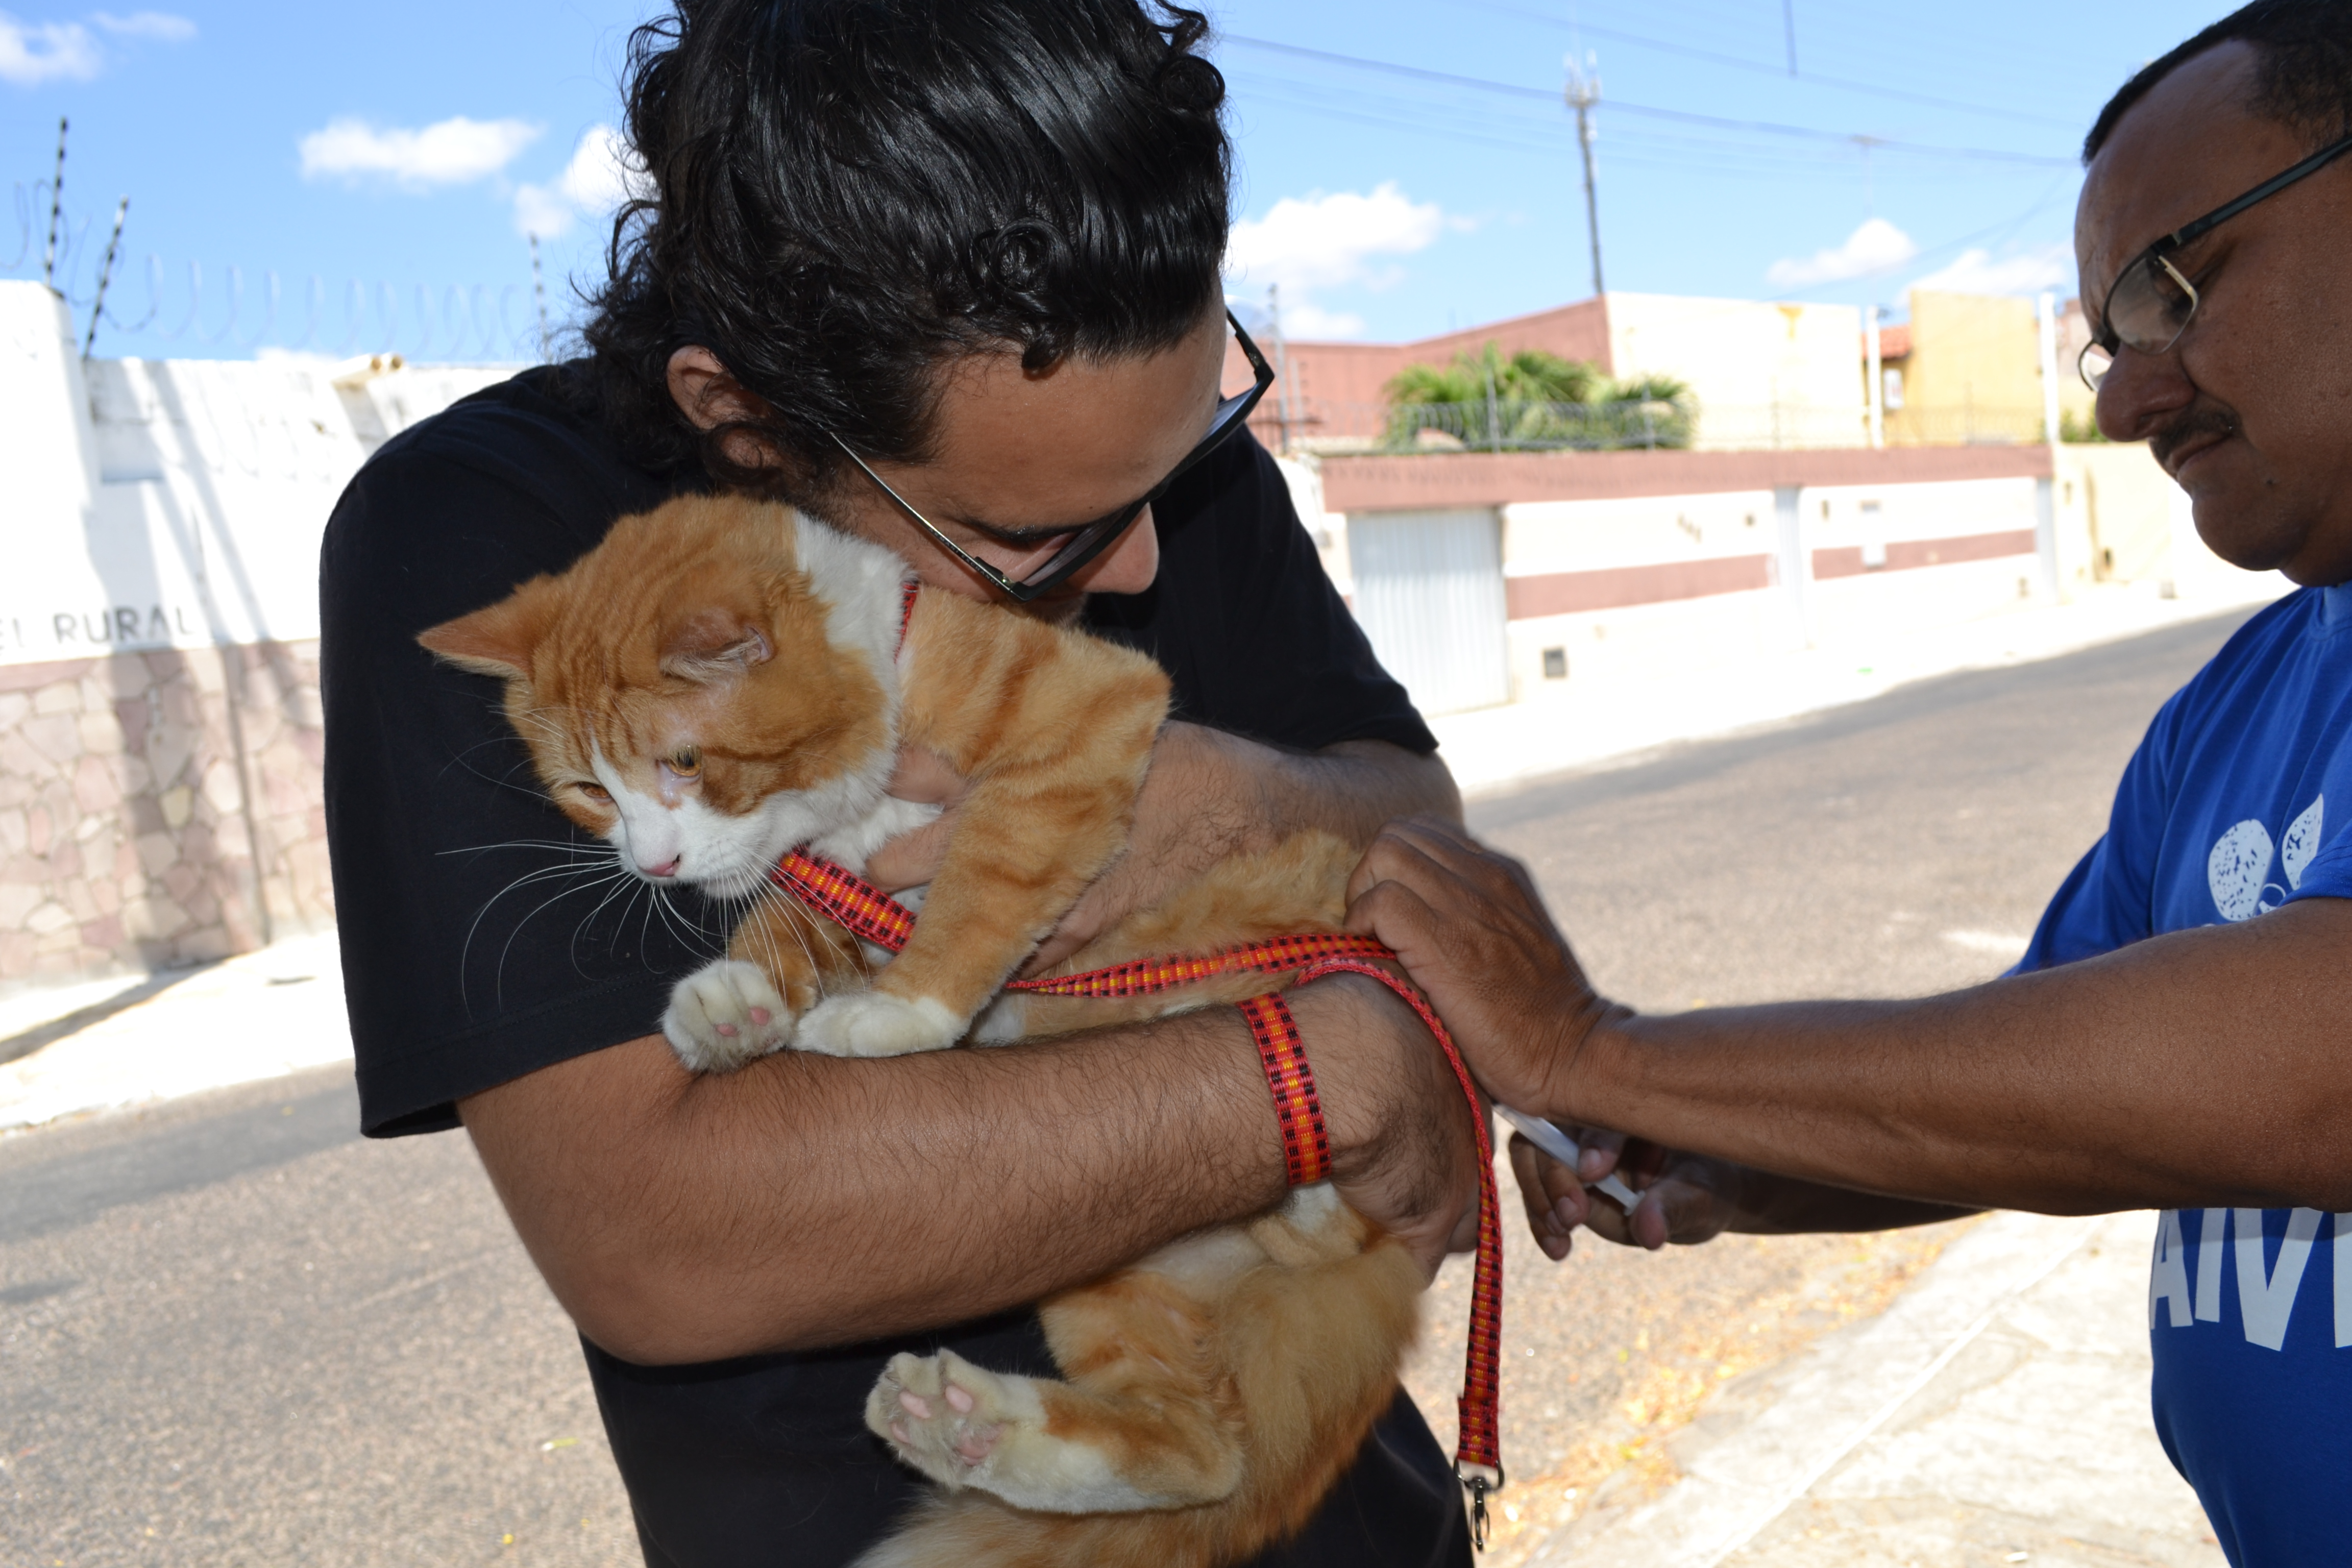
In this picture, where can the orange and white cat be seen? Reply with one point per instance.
(722, 680)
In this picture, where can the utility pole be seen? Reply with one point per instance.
(2045, 312)
(1874, 373)
(1583, 92)
(1281, 367)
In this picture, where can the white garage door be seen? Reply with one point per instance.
(1429, 593)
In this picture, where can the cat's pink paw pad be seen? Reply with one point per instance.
(724, 1015)
(944, 1416)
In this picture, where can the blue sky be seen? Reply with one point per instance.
(383, 163)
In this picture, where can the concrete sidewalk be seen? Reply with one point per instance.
(126, 1042)
(1997, 1413)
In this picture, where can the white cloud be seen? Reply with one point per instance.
(1328, 241)
(1877, 245)
(33, 52)
(451, 152)
(602, 173)
(2028, 272)
(1311, 321)
(160, 25)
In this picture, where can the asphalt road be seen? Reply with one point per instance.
(232, 1333)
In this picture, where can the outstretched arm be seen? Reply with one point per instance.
(2203, 1066)
(808, 1200)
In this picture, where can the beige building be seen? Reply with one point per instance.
(1966, 370)
(1973, 375)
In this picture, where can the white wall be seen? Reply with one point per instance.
(156, 504)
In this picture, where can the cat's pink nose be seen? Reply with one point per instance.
(668, 869)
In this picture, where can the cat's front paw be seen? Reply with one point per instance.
(724, 1015)
(877, 1024)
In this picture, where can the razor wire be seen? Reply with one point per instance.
(228, 311)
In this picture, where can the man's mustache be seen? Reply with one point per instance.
(2201, 418)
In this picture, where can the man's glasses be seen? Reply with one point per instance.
(2152, 302)
(1088, 540)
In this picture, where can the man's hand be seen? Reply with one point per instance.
(1472, 931)
(1684, 1198)
(1688, 1198)
(1209, 796)
(1404, 1152)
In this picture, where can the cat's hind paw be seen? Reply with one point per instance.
(965, 1426)
(877, 1024)
(943, 1415)
(724, 1015)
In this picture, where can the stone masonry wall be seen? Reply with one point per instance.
(158, 809)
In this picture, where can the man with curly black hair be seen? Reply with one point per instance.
(944, 273)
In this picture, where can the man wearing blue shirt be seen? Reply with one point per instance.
(2178, 1036)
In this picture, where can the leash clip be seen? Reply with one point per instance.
(1477, 1484)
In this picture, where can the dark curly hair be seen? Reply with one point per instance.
(844, 195)
(2303, 80)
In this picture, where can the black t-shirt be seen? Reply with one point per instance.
(483, 938)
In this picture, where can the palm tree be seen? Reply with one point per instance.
(1536, 399)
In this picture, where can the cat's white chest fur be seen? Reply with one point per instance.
(852, 845)
(726, 1013)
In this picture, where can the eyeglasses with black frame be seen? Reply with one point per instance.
(2152, 301)
(1088, 540)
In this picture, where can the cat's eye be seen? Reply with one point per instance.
(595, 792)
(688, 762)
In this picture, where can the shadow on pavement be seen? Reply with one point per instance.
(56, 1179)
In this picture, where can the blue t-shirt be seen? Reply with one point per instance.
(2231, 808)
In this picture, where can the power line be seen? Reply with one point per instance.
(1762, 127)
(1693, 153)
(1736, 63)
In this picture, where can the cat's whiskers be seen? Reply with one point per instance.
(502, 782)
(774, 952)
(554, 873)
(688, 933)
(596, 848)
(618, 881)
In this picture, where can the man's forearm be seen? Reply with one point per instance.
(2205, 1066)
(1241, 795)
(810, 1200)
(1355, 787)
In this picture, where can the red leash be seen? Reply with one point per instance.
(867, 911)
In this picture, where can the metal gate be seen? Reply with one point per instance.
(1429, 593)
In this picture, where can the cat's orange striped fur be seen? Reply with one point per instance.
(719, 680)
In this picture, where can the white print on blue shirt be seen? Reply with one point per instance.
(2266, 1296)
(2240, 867)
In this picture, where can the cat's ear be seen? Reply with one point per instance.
(711, 644)
(499, 640)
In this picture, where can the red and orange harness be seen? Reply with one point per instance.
(864, 910)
